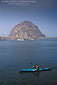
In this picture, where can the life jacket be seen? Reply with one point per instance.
(37, 66)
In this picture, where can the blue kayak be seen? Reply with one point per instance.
(34, 70)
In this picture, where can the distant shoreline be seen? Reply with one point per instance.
(48, 37)
(7, 37)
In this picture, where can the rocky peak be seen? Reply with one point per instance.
(26, 29)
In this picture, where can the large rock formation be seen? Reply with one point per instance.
(26, 30)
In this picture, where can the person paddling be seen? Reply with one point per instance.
(37, 68)
(34, 67)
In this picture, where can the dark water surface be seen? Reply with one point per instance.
(15, 55)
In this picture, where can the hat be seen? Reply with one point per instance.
(37, 64)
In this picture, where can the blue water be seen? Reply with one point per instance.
(15, 55)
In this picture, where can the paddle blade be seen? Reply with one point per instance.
(31, 63)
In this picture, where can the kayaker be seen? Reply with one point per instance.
(37, 67)
(34, 67)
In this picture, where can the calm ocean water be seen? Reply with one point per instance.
(15, 55)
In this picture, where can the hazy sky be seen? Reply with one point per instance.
(42, 13)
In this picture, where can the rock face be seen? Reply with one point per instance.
(26, 30)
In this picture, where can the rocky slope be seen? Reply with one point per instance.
(26, 30)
